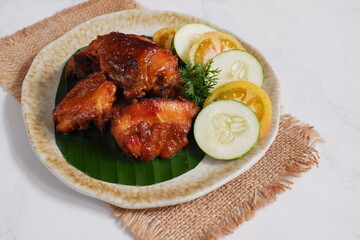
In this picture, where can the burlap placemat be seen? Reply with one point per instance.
(208, 217)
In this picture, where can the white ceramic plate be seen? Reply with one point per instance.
(38, 97)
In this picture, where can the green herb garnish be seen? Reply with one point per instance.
(198, 81)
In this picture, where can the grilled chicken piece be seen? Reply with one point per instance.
(90, 100)
(154, 127)
(134, 63)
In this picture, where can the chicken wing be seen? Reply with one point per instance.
(134, 63)
(154, 127)
(90, 100)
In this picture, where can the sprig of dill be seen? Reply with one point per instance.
(198, 80)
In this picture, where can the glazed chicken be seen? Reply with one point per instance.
(154, 127)
(137, 65)
(120, 69)
(90, 100)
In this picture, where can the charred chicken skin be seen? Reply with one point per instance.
(90, 100)
(135, 64)
(154, 127)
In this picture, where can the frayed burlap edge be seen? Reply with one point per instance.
(142, 225)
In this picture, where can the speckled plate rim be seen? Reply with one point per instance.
(38, 97)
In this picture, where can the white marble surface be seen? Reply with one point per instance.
(313, 47)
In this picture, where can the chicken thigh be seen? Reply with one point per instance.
(154, 127)
(90, 100)
(137, 65)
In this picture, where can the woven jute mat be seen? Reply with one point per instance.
(211, 216)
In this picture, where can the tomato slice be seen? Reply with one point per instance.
(210, 44)
(250, 94)
(164, 37)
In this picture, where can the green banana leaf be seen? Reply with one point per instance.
(98, 155)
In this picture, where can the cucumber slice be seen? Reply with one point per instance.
(226, 129)
(186, 36)
(238, 65)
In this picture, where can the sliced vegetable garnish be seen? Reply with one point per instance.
(250, 94)
(226, 129)
(186, 36)
(238, 65)
(210, 44)
(165, 36)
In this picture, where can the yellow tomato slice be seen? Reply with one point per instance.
(164, 37)
(210, 44)
(250, 94)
